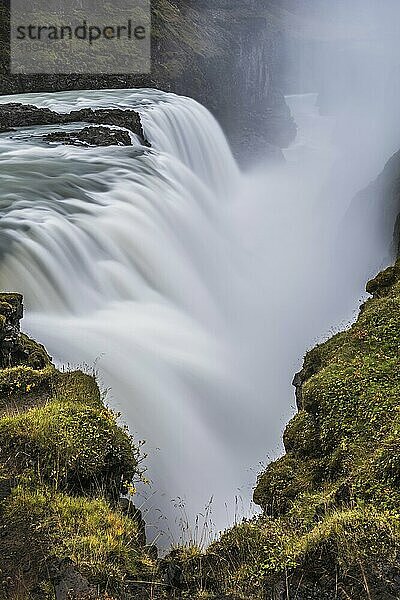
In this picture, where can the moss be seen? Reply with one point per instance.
(11, 306)
(247, 548)
(312, 506)
(14, 299)
(23, 379)
(280, 484)
(302, 435)
(102, 543)
(36, 354)
(76, 386)
(353, 539)
(69, 443)
(10, 303)
(5, 307)
(382, 282)
(316, 358)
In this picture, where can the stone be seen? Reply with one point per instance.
(91, 136)
(14, 115)
(68, 583)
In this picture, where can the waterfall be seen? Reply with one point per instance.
(122, 254)
(195, 289)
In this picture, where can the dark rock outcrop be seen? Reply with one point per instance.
(16, 348)
(11, 311)
(68, 583)
(91, 136)
(25, 115)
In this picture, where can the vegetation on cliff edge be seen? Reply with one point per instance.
(331, 506)
(64, 463)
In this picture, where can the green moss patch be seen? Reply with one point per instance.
(103, 544)
(78, 387)
(70, 444)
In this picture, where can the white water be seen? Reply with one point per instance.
(195, 288)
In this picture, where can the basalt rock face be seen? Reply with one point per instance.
(378, 203)
(237, 76)
(225, 55)
(372, 226)
(231, 65)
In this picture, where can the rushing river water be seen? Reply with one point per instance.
(193, 288)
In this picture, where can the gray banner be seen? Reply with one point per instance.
(80, 36)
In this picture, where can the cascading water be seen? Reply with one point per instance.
(121, 253)
(194, 288)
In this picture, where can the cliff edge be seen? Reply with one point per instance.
(68, 528)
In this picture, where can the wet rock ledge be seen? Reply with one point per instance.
(91, 136)
(14, 115)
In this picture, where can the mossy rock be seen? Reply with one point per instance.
(314, 505)
(354, 541)
(281, 483)
(23, 380)
(40, 524)
(317, 358)
(33, 354)
(70, 444)
(10, 302)
(5, 308)
(76, 386)
(301, 436)
(381, 284)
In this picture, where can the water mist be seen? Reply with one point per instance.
(194, 288)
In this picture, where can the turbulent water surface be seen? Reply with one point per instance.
(193, 288)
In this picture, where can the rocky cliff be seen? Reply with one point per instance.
(66, 532)
(225, 55)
